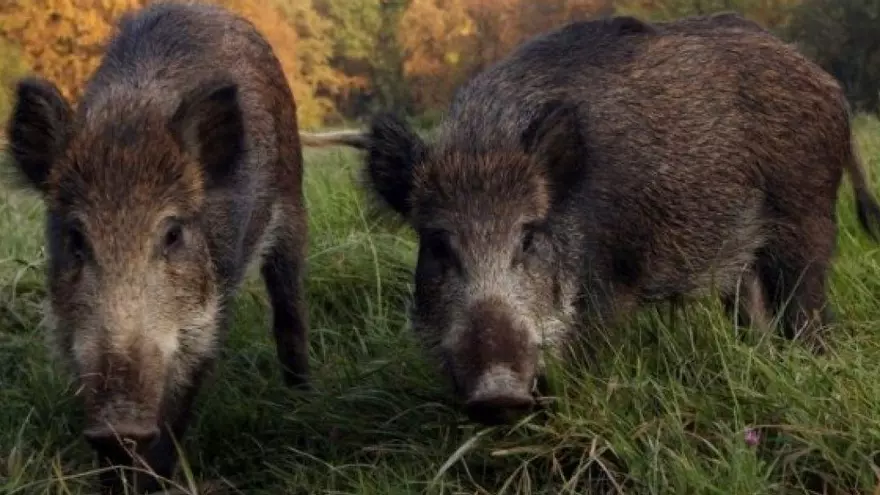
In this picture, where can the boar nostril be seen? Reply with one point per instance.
(122, 436)
(500, 409)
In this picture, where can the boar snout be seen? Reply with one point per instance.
(123, 398)
(134, 435)
(500, 397)
(120, 425)
(496, 364)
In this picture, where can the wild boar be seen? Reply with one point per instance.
(179, 168)
(606, 165)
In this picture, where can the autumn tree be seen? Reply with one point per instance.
(346, 58)
(61, 40)
(367, 52)
(447, 41)
(301, 40)
(436, 36)
(389, 83)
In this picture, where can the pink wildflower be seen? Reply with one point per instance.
(752, 437)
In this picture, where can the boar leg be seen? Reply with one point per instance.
(749, 303)
(807, 312)
(796, 275)
(604, 306)
(283, 273)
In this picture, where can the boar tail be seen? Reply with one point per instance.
(353, 139)
(867, 208)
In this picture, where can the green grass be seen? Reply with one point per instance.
(651, 418)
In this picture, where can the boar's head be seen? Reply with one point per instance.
(489, 289)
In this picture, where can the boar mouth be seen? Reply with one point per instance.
(497, 398)
(122, 431)
(129, 463)
(501, 412)
(122, 447)
(506, 410)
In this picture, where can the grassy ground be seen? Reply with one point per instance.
(653, 418)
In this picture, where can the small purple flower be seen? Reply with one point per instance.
(752, 437)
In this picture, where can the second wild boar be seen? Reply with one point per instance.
(606, 165)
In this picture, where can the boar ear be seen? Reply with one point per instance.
(37, 129)
(625, 25)
(209, 126)
(394, 150)
(555, 138)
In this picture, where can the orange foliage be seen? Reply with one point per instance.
(359, 53)
(436, 36)
(63, 40)
(300, 39)
(448, 40)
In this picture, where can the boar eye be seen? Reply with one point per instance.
(527, 242)
(173, 238)
(530, 230)
(437, 242)
(76, 242)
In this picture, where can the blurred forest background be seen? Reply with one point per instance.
(347, 58)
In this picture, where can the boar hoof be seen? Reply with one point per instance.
(298, 381)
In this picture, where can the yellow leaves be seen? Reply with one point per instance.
(452, 58)
(434, 33)
(61, 39)
(279, 30)
(431, 28)
(445, 41)
(337, 52)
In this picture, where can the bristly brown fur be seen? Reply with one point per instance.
(613, 163)
(180, 166)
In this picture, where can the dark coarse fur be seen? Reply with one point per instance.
(179, 168)
(610, 164)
